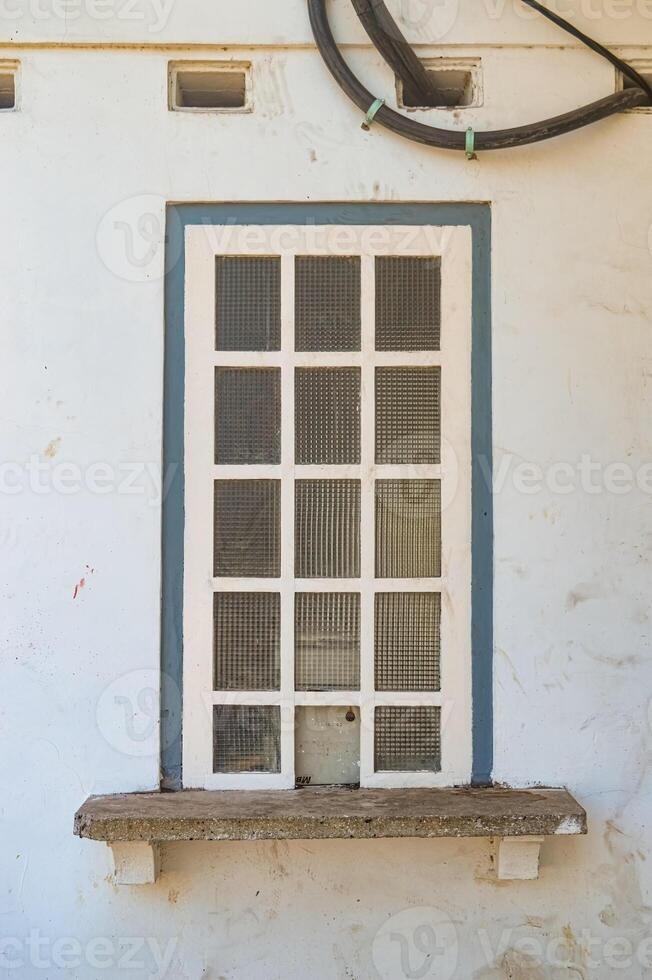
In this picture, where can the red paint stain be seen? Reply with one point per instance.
(82, 582)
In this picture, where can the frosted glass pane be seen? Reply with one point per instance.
(247, 415)
(407, 638)
(247, 302)
(246, 738)
(247, 528)
(408, 303)
(327, 303)
(327, 415)
(408, 528)
(247, 644)
(408, 739)
(327, 641)
(327, 528)
(408, 415)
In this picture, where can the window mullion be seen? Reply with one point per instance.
(287, 518)
(367, 527)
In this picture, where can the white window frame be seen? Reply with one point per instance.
(453, 245)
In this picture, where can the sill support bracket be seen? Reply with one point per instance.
(517, 858)
(135, 862)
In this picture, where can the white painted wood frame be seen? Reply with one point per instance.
(453, 245)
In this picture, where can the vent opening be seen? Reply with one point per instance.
(628, 83)
(7, 88)
(454, 84)
(203, 87)
(645, 70)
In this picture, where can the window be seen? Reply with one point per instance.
(327, 570)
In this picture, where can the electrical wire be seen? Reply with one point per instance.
(385, 34)
(387, 37)
(600, 49)
(397, 52)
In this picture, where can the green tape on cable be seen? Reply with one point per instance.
(470, 144)
(374, 109)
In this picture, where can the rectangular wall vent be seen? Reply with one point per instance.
(456, 84)
(204, 86)
(644, 68)
(8, 87)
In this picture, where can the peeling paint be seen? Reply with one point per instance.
(52, 448)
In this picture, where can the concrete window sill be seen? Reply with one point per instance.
(134, 824)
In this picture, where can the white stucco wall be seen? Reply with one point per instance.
(82, 385)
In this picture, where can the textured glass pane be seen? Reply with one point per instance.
(247, 415)
(327, 303)
(327, 415)
(408, 303)
(248, 528)
(327, 528)
(246, 738)
(327, 641)
(408, 415)
(247, 303)
(408, 529)
(247, 630)
(408, 739)
(407, 641)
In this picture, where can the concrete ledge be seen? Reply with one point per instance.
(309, 814)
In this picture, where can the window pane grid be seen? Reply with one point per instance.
(328, 429)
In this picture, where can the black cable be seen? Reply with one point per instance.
(600, 49)
(456, 140)
(383, 30)
(395, 49)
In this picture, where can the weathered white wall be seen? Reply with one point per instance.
(82, 329)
